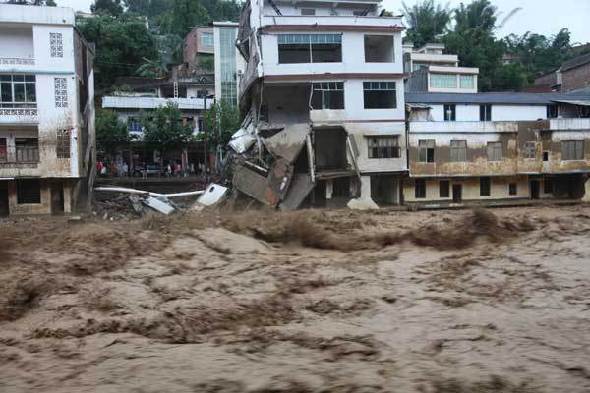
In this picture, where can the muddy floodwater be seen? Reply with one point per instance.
(310, 301)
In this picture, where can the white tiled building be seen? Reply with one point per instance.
(336, 68)
(47, 145)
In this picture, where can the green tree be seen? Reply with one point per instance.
(122, 45)
(510, 77)
(426, 22)
(107, 7)
(185, 15)
(164, 129)
(111, 133)
(222, 120)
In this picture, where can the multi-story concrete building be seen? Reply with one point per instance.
(47, 145)
(497, 146)
(198, 44)
(573, 75)
(328, 77)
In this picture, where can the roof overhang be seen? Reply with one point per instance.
(574, 102)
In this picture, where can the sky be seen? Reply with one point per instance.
(540, 16)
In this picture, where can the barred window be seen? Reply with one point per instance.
(529, 150)
(426, 147)
(63, 144)
(458, 150)
(384, 147)
(494, 151)
(56, 45)
(61, 92)
(572, 150)
(328, 95)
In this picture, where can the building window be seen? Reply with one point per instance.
(27, 149)
(572, 150)
(552, 111)
(548, 185)
(485, 186)
(458, 150)
(61, 92)
(449, 111)
(56, 46)
(485, 112)
(512, 189)
(17, 91)
(529, 150)
(310, 48)
(227, 62)
(545, 156)
(328, 95)
(426, 147)
(383, 146)
(379, 95)
(420, 188)
(466, 81)
(308, 11)
(63, 144)
(378, 49)
(206, 39)
(444, 186)
(134, 125)
(28, 191)
(443, 81)
(494, 151)
(3, 150)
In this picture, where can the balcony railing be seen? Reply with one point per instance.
(19, 154)
(12, 61)
(574, 124)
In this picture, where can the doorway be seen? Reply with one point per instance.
(535, 189)
(57, 198)
(457, 193)
(4, 208)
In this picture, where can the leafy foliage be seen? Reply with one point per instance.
(110, 131)
(222, 120)
(107, 7)
(123, 45)
(426, 22)
(164, 128)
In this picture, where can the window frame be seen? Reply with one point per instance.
(383, 151)
(485, 186)
(492, 147)
(512, 189)
(21, 184)
(379, 86)
(308, 41)
(578, 148)
(381, 37)
(453, 108)
(444, 185)
(419, 189)
(426, 151)
(456, 149)
(29, 90)
(526, 150)
(206, 39)
(485, 112)
(63, 148)
(441, 81)
(325, 88)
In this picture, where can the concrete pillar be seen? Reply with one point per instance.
(68, 205)
(586, 197)
(329, 188)
(364, 202)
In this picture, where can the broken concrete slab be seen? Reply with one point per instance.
(242, 140)
(159, 205)
(214, 193)
(249, 182)
(301, 186)
(289, 142)
(269, 189)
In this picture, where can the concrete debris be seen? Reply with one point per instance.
(288, 143)
(212, 196)
(242, 140)
(159, 204)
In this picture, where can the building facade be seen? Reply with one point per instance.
(325, 79)
(47, 143)
(229, 65)
(489, 147)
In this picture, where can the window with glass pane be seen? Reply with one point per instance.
(466, 81)
(443, 81)
(17, 91)
(379, 95)
(310, 48)
(426, 150)
(494, 151)
(485, 112)
(328, 95)
(420, 188)
(572, 150)
(458, 150)
(207, 39)
(383, 147)
(449, 112)
(485, 186)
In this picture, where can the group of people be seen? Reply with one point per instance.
(169, 169)
(105, 168)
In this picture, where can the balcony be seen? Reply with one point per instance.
(131, 102)
(475, 127)
(324, 23)
(26, 115)
(19, 156)
(569, 124)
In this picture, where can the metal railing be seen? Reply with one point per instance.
(24, 112)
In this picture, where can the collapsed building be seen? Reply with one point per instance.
(323, 102)
(47, 146)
